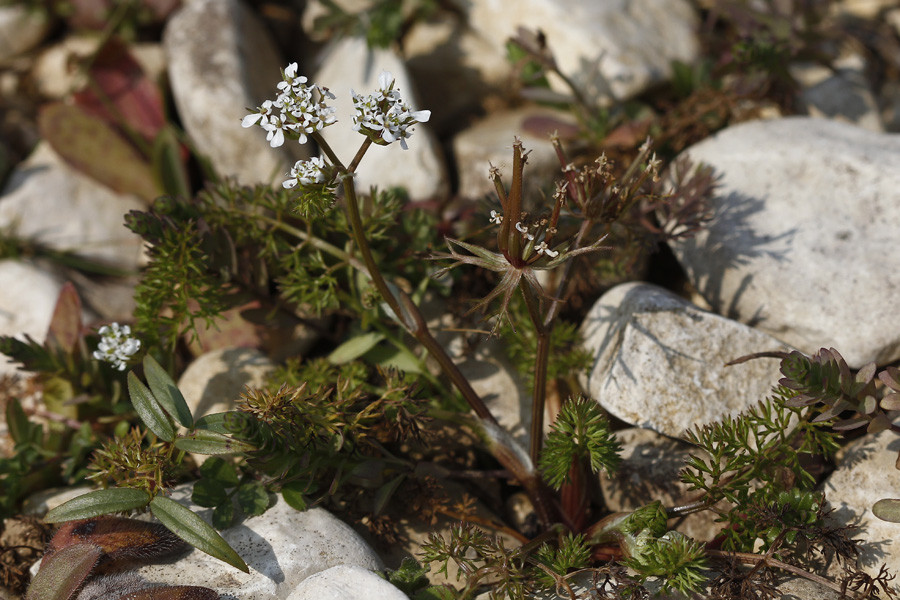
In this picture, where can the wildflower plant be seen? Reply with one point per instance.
(352, 430)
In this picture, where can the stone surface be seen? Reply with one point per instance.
(56, 71)
(349, 64)
(21, 29)
(222, 62)
(866, 473)
(282, 547)
(612, 48)
(455, 69)
(806, 215)
(49, 202)
(26, 304)
(841, 92)
(649, 471)
(490, 141)
(345, 582)
(660, 361)
(214, 382)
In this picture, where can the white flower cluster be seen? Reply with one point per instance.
(116, 346)
(384, 116)
(308, 172)
(298, 110)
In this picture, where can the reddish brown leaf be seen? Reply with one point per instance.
(65, 325)
(123, 541)
(121, 93)
(174, 592)
(95, 148)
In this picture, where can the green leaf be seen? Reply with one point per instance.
(98, 502)
(385, 492)
(223, 515)
(203, 441)
(220, 470)
(18, 424)
(92, 146)
(294, 497)
(887, 509)
(209, 493)
(355, 347)
(195, 531)
(168, 166)
(63, 572)
(166, 392)
(398, 358)
(253, 499)
(214, 422)
(149, 409)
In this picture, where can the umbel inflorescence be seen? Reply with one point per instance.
(300, 110)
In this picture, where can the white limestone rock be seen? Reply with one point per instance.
(803, 242)
(49, 202)
(21, 29)
(26, 304)
(611, 49)
(660, 361)
(345, 582)
(222, 62)
(350, 64)
(214, 382)
(490, 141)
(842, 92)
(867, 473)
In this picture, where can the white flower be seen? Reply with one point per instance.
(543, 248)
(307, 172)
(524, 231)
(496, 217)
(117, 345)
(384, 116)
(298, 110)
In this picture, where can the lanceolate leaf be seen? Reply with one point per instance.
(195, 531)
(202, 441)
(99, 502)
(65, 326)
(63, 573)
(149, 409)
(166, 392)
(95, 148)
(355, 347)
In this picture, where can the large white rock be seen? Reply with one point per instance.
(21, 28)
(282, 547)
(803, 243)
(215, 380)
(490, 142)
(610, 48)
(840, 91)
(51, 203)
(867, 473)
(26, 304)
(222, 62)
(660, 361)
(346, 583)
(350, 64)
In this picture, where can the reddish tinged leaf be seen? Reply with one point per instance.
(544, 126)
(123, 541)
(92, 146)
(122, 94)
(62, 574)
(65, 325)
(174, 592)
